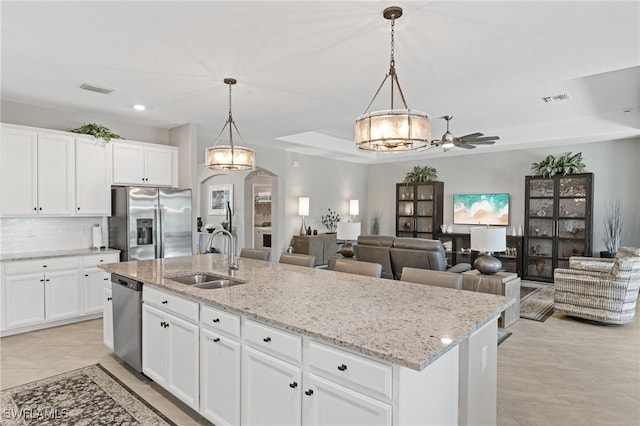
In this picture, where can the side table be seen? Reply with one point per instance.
(501, 283)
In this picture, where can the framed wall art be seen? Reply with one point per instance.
(481, 209)
(219, 196)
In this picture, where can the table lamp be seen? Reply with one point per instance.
(488, 240)
(303, 210)
(354, 207)
(348, 231)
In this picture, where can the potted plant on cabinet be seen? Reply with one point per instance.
(96, 130)
(421, 174)
(567, 164)
(612, 233)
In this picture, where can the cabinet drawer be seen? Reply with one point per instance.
(220, 320)
(100, 259)
(172, 303)
(349, 369)
(42, 265)
(278, 342)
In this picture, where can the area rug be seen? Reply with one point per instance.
(87, 396)
(536, 303)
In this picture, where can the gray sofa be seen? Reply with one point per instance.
(375, 249)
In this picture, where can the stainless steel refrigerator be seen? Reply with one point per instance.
(149, 223)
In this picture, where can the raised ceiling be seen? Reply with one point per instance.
(307, 69)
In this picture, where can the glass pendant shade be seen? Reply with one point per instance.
(229, 157)
(393, 130)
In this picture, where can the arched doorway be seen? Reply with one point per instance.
(261, 202)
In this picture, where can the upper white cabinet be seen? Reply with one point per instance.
(93, 177)
(138, 163)
(37, 176)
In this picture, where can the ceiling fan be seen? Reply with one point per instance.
(469, 141)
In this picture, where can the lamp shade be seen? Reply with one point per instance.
(488, 240)
(348, 230)
(303, 206)
(354, 207)
(228, 157)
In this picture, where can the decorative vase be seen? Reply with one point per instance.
(199, 224)
(540, 266)
(443, 228)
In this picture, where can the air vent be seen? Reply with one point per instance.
(92, 88)
(559, 97)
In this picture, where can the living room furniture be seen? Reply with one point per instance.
(488, 240)
(460, 251)
(320, 246)
(603, 290)
(421, 253)
(347, 232)
(259, 254)
(419, 209)
(501, 283)
(375, 248)
(298, 259)
(430, 277)
(358, 267)
(558, 223)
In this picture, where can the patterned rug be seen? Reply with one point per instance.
(87, 396)
(536, 301)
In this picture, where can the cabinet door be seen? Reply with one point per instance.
(220, 359)
(18, 173)
(183, 360)
(327, 403)
(92, 286)
(271, 390)
(93, 178)
(23, 300)
(62, 294)
(128, 164)
(154, 342)
(56, 175)
(107, 319)
(159, 166)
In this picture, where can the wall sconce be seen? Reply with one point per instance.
(303, 210)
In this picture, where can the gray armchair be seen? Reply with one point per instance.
(422, 254)
(603, 290)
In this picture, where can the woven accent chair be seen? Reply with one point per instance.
(603, 290)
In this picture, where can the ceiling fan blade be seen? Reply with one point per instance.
(477, 142)
(469, 136)
(464, 145)
(486, 138)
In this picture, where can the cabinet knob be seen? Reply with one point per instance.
(78, 208)
(161, 323)
(293, 385)
(35, 209)
(42, 280)
(47, 280)
(164, 302)
(216, 320)
(105, 279)
(342, 367)
(308, 392)
(166, 325)
(44, 266)
(109, 299)
(216, 340)
(39, 208)
(86, 275)
(266, 339)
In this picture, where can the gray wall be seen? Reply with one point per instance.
(614, 164)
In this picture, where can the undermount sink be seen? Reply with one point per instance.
(205, 281)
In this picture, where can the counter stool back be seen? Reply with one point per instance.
(259, 254)
(298, 259)
(431, 277)
(369, 269)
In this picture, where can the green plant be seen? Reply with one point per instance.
(421, 174)
(225, 225)
(375, 223)
(567, 163)
(612, 233)
(330, 220)
(97, 130)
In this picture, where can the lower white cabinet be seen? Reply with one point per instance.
(271, 390)
(92, 288)
(327, 403)
(170, 353)
(220, 358)
(107, 318)
(61, 294)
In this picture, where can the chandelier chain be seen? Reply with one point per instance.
(393, 49)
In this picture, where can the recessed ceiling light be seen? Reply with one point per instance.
(139, 107)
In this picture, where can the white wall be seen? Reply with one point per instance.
(614, 164)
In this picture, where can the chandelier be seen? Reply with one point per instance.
(393, 129)
(230, 157)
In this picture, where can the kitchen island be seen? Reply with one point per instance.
(438, 344)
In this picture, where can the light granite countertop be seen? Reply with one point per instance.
(399, 322)
(8, 257)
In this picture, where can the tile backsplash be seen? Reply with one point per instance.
(23, 235)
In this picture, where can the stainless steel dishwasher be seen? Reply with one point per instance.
(127, 320)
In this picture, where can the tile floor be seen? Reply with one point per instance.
(560, 372)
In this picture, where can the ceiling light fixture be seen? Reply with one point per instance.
(230, 157)
(393, 129)
(139, 107)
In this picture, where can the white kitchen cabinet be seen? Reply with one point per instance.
(23, 300)
(38, 173)
(138, 163)
(62, 294)
(271, 390)
(107, 318)
(327, 403)
(93, 178)
(170, 346)
(94, 280)
(220, 359)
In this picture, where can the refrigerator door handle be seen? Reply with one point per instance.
(161, 208)
(156, 232)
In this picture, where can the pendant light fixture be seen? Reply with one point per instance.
(393, 129)
(230, 157)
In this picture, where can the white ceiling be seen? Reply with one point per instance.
(307, 69)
